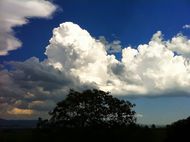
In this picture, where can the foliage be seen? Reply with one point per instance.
(179, 131)
(91, 108)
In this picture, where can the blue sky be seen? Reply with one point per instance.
(132, 22)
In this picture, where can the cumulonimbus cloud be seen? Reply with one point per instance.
(152, 68)
(16, 13)
(77, 60)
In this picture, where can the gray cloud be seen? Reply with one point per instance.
(30, 87)
(113, 47)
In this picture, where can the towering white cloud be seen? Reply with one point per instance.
(152, 68)
(159, 71)
(75, 51)
(77, 60)
(16, 13)
(180, 44)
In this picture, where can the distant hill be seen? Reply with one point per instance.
(2, 119)
(179, 131)
(17, 123)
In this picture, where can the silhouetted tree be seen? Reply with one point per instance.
(179, 131)
(92, 108)
(153, 126)
(42, 123)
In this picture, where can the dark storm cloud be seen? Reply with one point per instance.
(35, 85)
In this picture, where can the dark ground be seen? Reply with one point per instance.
(118, 135)
(176, 132)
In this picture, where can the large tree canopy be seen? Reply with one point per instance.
(91, 108)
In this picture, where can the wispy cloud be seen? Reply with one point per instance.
(186, 26)
(138, 115)
(16, 13)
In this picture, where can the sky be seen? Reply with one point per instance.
(138, 50)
